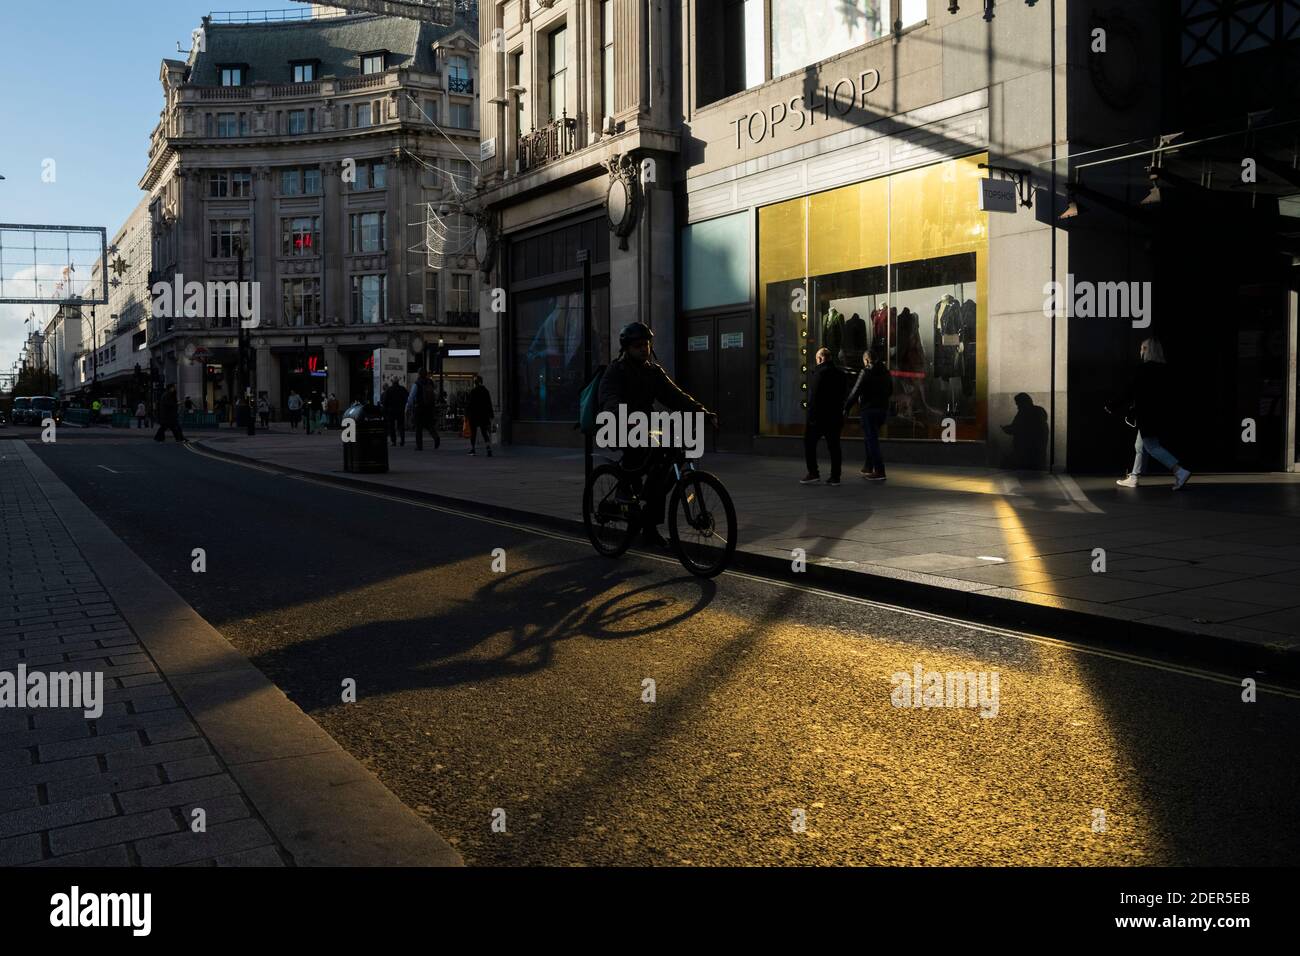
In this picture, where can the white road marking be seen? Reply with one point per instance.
(106, 468)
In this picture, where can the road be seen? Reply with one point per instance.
(525, 691)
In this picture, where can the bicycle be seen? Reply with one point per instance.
(701, 517)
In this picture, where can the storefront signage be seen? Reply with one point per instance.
(388, 364)
(997, 195)
(697, 343)
(487, 149)
(846, 95)
(731, 340)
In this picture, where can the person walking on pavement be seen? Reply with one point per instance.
(1148, 408)
(826, 395)
(94, 411)
(873, 389)
(423, 402)
(295, 409)
(140, 413)
(394, 405)
(480, 414)
(332, 411)
(169, 416)
(264, 410)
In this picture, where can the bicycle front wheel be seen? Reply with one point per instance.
(702, 524)
(608, 511)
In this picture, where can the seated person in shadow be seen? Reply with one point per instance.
(1028, 431)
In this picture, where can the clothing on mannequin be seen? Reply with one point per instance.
(833, 330)
(855, 341)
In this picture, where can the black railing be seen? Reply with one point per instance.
(541, 146)
(460, 84)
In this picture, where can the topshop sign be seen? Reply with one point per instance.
(845, 96)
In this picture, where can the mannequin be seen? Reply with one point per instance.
(947, 348)
(855, 341)
(833, 330)
(968, 322)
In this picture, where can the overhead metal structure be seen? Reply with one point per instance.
(441, 12)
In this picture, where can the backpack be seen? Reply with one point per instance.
(428, 397)
(589, 403)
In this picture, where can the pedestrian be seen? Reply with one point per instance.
(189, 405)
(332, 411)
(1148, 409)
(264, 409)
(394, 405)
(295, 409)
(423, 402)
(873, 390)
(94, 411)
(169, 417)
(826, 394)
(479, 412)
(140, 413)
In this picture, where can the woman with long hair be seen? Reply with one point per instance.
(1149, 411)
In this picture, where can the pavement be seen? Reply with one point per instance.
(625, 713)
(188, 722)
(1212, 570)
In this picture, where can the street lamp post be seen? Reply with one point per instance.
(245, 346)
(442, 392)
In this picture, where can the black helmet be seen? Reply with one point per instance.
(634, 332)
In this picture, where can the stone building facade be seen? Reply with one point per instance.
(311, 150)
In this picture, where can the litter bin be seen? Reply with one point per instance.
(368, 451)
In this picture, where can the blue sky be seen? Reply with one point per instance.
(79, 85)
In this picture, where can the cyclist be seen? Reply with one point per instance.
(636, 380)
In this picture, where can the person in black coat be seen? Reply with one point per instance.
(393, 401)
(1148, 409)
(479, 414)
(873, 388)
(169, 416)
(826, 394)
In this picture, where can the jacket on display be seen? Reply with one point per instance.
(855, 335)
(833, 331)
(947, 337)
(968, 353)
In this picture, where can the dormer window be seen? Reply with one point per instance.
(373, 62)
(304, 72)
(232, 75)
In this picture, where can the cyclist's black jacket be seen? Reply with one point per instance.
(638, 385)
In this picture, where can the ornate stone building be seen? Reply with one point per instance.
(311, 150)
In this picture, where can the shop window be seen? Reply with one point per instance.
(367, 231)
(300, 236)
(548, 349)
(897, 264)
(730, 48)
(809, 31)
(715, 262)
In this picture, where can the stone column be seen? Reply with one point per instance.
(340, 381)
(333, 224)
(265, 235)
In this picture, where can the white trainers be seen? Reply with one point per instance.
(1180, 477)
(1130, 481)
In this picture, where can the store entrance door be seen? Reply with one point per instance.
(719, 370)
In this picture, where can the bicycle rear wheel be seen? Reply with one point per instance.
(609, 511)
(702, 524)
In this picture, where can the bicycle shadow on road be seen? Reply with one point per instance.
(509, 625)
